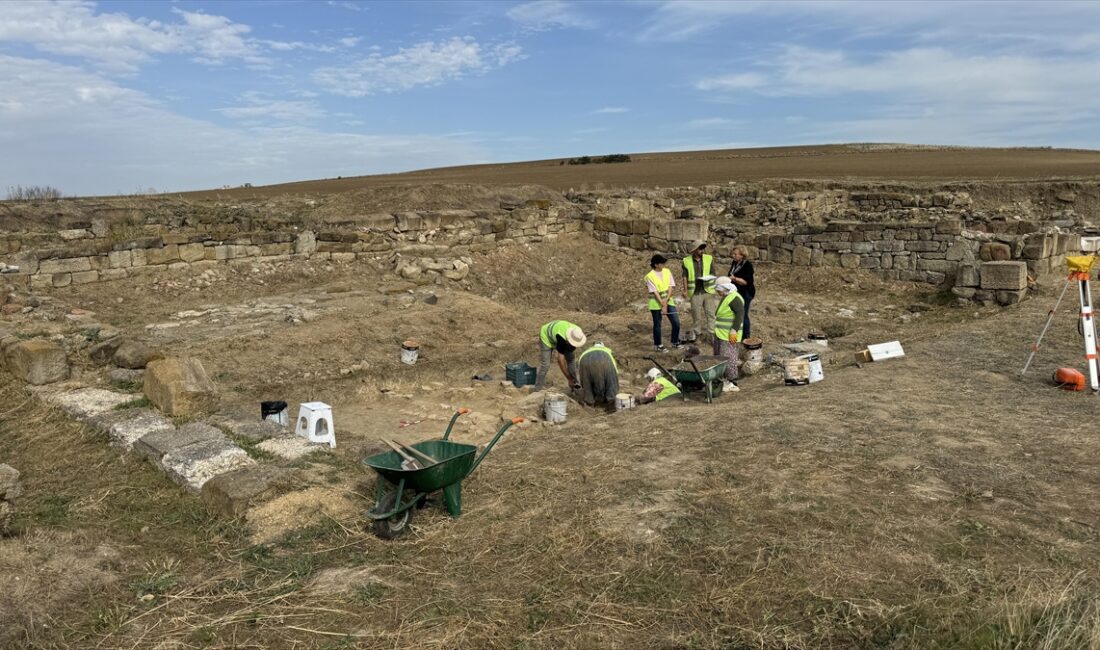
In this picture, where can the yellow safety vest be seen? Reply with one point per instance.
(723, 318)
(600, 348)
(555, 328)
(663, 282)
(689, 265)
(668, 389)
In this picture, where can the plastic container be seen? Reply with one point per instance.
(274, 411)
(554, 408)
(520, 374)
(410, 351)
(817, 371)
(754, 349)
(624, 401)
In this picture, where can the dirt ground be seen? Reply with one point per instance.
(823, 162)
(941, 500)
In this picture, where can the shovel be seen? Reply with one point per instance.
(409, 462)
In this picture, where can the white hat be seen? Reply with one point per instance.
(575, 337)
(653, 373)
(727, 287)
(723, 279)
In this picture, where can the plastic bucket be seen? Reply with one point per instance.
(274, 411)
(553, 408)
(796, 371)
(817, 372)
(624, 401)
(410, 350)
(818, 338)
(754, 349)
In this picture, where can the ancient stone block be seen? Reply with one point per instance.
(65, 265)
(967, 276)
(61, 279)
(306, 244)
(695, 230)
(994, 252)
(192, 466)
(1006, 276)
(232, 493)
(37, 362)
(1006, 298)
(801, 256)
(156, 444)
(135, 355)
(191, 252)
(85, 277)
(949, 227)
(87, 403)
(1038, 247)
(9, 483)
(180, 386)
(126, 432)
(849, 260)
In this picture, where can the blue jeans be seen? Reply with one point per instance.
(673, 317)
(746, 332)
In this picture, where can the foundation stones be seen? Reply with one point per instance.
(138, 424)
(1005, 276)
(233, 492)
(87, 403)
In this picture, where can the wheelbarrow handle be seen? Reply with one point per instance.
(461, 411)
(671, 377)
(489, 447)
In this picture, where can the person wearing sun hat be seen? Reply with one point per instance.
(560, 338)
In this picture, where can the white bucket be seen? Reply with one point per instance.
(553, 408)
(817, 372)
(624, 401)
(754, 349)
(409, 352)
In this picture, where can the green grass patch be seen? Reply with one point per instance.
(139, 403)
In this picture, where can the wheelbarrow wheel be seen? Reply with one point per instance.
(395, 526)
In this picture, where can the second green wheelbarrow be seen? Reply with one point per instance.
(400, 489)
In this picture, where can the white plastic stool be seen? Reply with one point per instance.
(315, 423)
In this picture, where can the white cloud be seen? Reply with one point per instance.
(710, 123)
(612, 110)
(930, 94)
(117, 42)
(424, 64)
(350, 6)
(349, 41)
(259, 106)
(545, 15)
(290, 46)
(85, 134)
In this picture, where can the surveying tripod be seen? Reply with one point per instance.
(1080, 270)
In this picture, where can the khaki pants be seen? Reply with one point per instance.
(703, 308)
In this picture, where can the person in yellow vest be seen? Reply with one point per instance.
(659, 284)
(561, 338)
(728, 322)
(699, 289)
(659, 389)
(599, 376)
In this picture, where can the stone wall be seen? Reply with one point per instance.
(83, 256)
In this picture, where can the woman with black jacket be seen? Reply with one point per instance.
(741, 274)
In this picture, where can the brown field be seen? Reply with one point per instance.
(826, 162)
(937, 501)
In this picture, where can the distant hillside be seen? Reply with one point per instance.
(862, 161)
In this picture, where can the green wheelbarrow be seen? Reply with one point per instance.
(455, 461)
(702, 373)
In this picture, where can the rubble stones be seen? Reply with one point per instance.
(9, 483)
(102, 352)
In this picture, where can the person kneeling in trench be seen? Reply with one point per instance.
(599, 376)
(561, 338)
(659, 388)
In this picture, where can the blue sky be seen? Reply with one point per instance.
(106, 97)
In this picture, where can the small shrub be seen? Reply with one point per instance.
(33, 193)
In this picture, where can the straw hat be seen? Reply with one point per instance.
(575, 337)
(696, 245)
